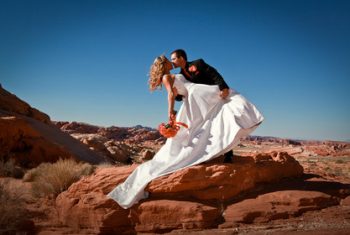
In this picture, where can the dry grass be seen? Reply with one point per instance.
(9, 169)
(54, 178)
(12, 210)
(32, 174)
(108, 164)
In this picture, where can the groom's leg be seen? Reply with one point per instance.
(228, 157)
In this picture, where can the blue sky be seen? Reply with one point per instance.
(88, 60)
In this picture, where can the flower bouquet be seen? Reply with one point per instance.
(170, 129)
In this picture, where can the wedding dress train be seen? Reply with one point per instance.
(215, 126)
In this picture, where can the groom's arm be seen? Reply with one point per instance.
(211, 73)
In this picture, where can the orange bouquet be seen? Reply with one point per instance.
(170, 129)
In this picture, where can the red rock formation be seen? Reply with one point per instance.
(117, 151)
(20, 141)
(215, 181)
(78, 127)
(28, 137)
(11, 103)
(330, 149)
(203, 188)
(119, 144)
(85, 203)
(135, 134)
(346, 202)
(165, 215)
(30, 142)
(276, 205)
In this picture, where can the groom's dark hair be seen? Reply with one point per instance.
(180, 53)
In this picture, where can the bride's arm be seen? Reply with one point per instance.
(168, 81)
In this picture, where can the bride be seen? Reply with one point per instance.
(215, 126)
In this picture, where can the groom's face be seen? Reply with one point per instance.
(178, 61)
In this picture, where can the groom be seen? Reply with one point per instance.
(198, 71)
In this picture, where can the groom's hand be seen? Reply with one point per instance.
(178, 98)
(224, 93)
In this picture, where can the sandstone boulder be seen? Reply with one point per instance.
(277, 205)
(146, 154)
(223, 181)
(85, 203)
(202, 188)
(165, 215)
(345, 201)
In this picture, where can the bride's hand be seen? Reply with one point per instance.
(172, 116)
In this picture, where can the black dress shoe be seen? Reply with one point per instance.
(228, 157)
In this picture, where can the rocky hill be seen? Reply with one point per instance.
(14, 105)
(28, 136)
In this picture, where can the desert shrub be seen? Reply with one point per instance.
(9, 169)
(33, 173)
(54, 178)
(12, 210)
(107, 164)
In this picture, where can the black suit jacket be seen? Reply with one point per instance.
(204, 74)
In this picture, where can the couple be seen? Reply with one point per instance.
(217, 117)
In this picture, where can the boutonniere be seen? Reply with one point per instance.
(193, 69)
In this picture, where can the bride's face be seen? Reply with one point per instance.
(168, 66)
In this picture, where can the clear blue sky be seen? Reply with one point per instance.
(88, 60)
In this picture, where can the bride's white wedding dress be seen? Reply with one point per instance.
(215, 127)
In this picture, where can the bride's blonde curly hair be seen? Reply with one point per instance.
(156, 72)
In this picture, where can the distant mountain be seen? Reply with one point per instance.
(143, 127)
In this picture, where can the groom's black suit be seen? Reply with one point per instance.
(200, 72)
(203, 74)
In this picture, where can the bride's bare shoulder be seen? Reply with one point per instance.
(168, 78)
